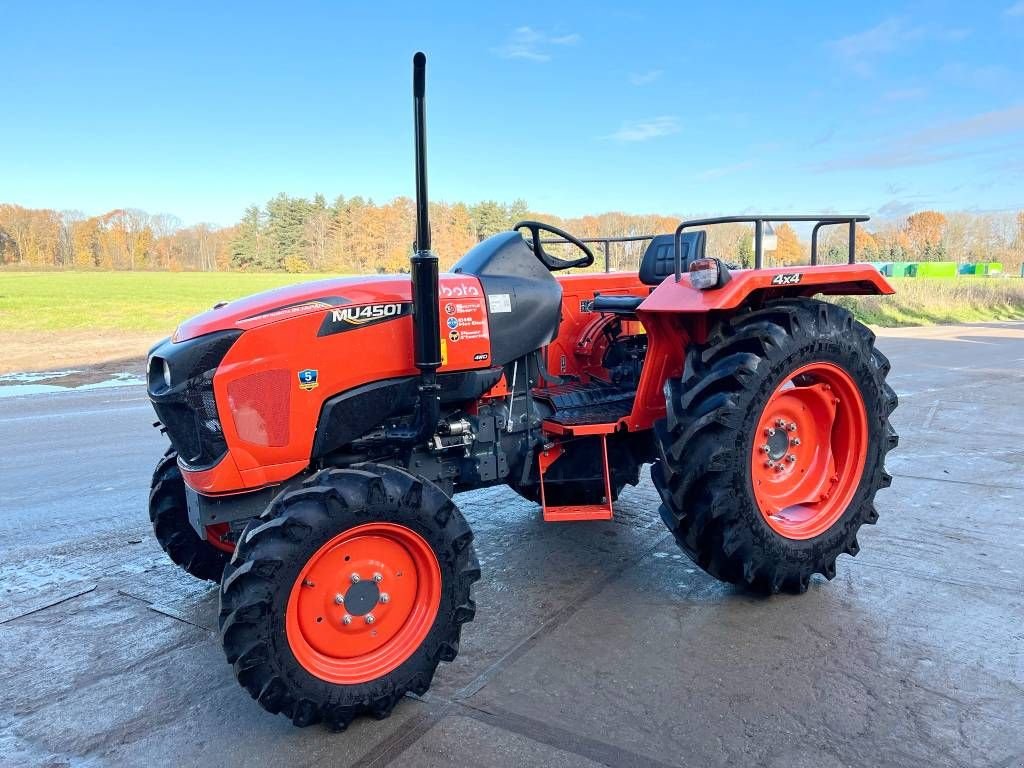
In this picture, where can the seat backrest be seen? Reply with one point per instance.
(660, 257)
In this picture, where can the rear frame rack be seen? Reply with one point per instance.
(760, 220)
(821, 220)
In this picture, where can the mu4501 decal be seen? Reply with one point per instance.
(349, 318)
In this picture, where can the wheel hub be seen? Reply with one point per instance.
(778, 444)
(809, 457)
(363, 603)
(361, 598)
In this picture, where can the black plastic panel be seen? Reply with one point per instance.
(508, 268)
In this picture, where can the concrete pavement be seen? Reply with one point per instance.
(594, 643)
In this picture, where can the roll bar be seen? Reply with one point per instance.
(759, 222)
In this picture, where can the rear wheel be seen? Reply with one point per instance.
(168, 511)
(774, 445)
(346, 594)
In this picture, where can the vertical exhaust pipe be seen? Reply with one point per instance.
(423, 267)
(423, 262)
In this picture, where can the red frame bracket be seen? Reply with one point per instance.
(571, 512)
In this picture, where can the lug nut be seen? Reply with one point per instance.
(791, 458)
(384, 597)
(780, 422)
(378, 578)
(795, 441)
(370, 619)
(769, 432)
(769, 463)
(792, 426)
(346, 619)
(778, 467)
(355, 578)
(765, 448)
(339, 599)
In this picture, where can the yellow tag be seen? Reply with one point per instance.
(444, 351)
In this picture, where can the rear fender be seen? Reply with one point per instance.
(677, 315)
(759, 285)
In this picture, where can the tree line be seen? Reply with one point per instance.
(356, 236)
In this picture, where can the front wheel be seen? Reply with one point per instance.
(168, 512)
(774, 445)
(346, 594)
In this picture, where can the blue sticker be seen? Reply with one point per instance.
(453, 322)
(308, 379)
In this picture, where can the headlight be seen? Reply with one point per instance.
(167, 375)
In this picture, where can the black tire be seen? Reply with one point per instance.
(705, 443)
(272, 552)
(168, 512)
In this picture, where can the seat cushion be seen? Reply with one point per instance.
(616, 305)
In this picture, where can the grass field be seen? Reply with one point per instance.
(155, 302)
(122, 301)
(923, 301)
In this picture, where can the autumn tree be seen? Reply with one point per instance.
(789, 249)
(924, 231)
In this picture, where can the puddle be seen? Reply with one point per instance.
(48, 382)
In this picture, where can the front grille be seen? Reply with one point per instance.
(188, 409)
(192, 423)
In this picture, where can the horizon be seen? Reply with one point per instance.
(204, 113)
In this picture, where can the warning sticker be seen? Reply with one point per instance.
(499, 302)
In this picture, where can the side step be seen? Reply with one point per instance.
(572, 512)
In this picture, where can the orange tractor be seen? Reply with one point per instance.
(319, 433)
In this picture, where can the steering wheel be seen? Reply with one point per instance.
(549, 261)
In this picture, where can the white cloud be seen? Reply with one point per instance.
(725, 170)
(645, 130)
(861, 51)
(533, 45)
(1017, 9)
(895, 209)
(905, 94)
(951, 140)
(648, 77)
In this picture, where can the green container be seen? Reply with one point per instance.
(967, 269)
(994, 268)
(940, 269)
(900, 269)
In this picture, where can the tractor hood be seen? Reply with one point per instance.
(292, 300)
(316, 296)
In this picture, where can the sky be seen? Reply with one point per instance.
(200, 110)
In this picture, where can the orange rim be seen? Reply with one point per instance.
(363, 603)
(809, 450)
(219, 537)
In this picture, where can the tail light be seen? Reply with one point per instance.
(706, 274)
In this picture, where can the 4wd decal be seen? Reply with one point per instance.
(350, 318)
(790, 278)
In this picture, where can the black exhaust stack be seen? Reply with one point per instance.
(423, 262)
(423, 265)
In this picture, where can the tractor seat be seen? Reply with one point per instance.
(660, 257)
(658, 263)
(616, 305)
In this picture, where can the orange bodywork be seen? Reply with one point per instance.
(270, 434)
(269, 417)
